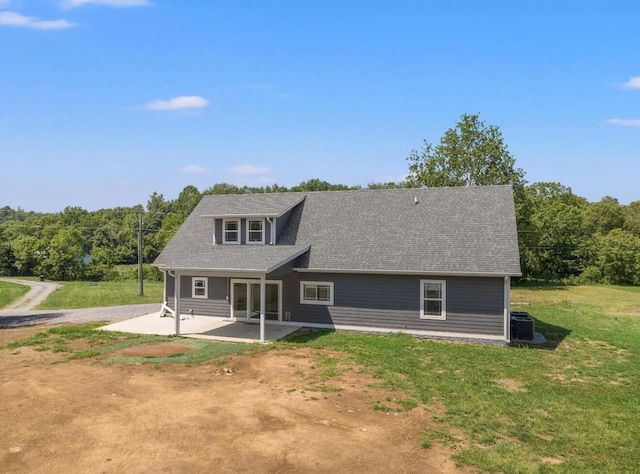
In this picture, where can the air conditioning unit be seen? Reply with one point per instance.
(522, 326)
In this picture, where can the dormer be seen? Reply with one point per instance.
(251, 219)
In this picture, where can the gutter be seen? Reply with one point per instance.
(407, 272)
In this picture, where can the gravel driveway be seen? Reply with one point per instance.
(20, 312)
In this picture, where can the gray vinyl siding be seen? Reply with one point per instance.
(289, 224)
(219, 226)
(473, 306)
(215, 304)
(218, 231)
(284, 221)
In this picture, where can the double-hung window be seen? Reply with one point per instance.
(316, 292)
(255, 231)
(231, 231)
(433, 300)
(199, 287)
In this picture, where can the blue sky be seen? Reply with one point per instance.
(103, 102)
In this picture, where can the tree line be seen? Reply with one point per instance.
(561, 235)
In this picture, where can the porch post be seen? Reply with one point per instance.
(177, 300)
(164, 286)
(263, 304)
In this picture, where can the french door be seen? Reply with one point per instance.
(245, 297)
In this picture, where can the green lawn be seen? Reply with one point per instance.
(10, 292)
(572, 405)
(82, 294)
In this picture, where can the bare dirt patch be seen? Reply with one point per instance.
(160, 349)
(273, 412)
(511, 385)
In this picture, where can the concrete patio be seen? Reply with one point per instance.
(202, 327)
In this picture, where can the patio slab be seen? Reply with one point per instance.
(202, 327)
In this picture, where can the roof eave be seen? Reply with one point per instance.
(289, 258)
(409, 272)
(253, 214)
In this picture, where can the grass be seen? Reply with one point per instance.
(10, 292)
(98, 343)
(203, 351)
(569, 406)
(82, 294)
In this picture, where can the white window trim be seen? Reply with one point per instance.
(323, 303)
(443, 313)
(206, 287)
(261, 241)
(224, 232)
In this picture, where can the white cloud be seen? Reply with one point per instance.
(625, 122)
(110, 3)
(177, 103)
(633, 83)
(249, 169)
(16, 19)
(193, 169)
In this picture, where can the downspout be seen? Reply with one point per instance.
(272, 230)
(507, 308)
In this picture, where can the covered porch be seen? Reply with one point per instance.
(239, 288)
(205, 327)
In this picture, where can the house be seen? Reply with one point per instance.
(432, 262)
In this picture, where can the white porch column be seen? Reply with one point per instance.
(165, 273)
(263, 305)
(177, 300)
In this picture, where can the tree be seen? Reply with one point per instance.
(550, 245)
(632, 218)
(387, 185)
(224, 188)
(64, 256)
(318, 185)
(170, 225)
(470, 154)
(27, 251)
(187, 200)
(617, 260)
(604, 216)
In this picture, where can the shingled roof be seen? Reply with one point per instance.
(437, 231)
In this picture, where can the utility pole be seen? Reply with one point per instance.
(140, 269)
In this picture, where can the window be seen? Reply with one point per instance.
(433, 299)
(316, 292)
(255, 231)
(199, 287)
(231, 232)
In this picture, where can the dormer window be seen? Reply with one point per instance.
(231, 233)
(255, 231)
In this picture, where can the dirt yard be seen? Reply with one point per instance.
(260, 413)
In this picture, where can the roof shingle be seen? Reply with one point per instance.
(422, 231)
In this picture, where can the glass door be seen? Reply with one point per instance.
(240, 300)
(245, 295)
